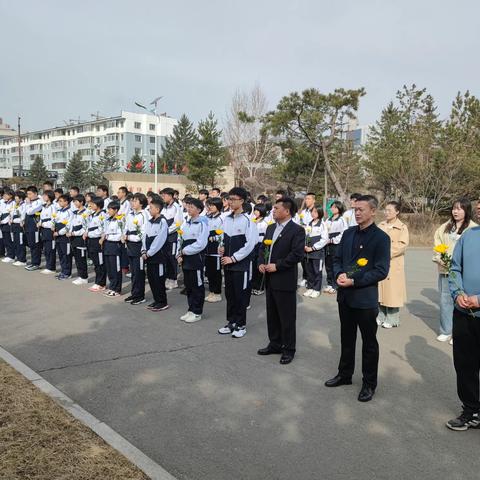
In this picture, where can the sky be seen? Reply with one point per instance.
(64, 60)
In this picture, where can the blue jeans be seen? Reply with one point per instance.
(446, 306)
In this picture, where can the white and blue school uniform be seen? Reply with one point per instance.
(112, 232)
(316, 238)
(134, 233)
(31, 230)
(335, 228)
(6, 228)
(173, 214)
(213, 267)
(46, 225)
(18, 235)
(62, 242)
(78, 228)
(95, 249)
(257, 277)
(191, 246)
(349, 218)
(125, 209)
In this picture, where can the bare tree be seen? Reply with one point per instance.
(249, 149)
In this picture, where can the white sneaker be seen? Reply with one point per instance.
(302, 283)
(387, 325)
(46, 271)
(451, 341)
(19, 264)
(308, 292)
(171, 284)
(327, 289)
(80, 281)
(185, 316)
(8, 260)
(379, 322)
(443, 338)
(331, 290)
(315, 294)
(239, 332)
(226, 330)
(213, 298)
(192, 318)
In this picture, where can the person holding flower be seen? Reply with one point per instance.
(280, 253)
(5, 224)
(111, 240)
(61, 226)
(447, 235)
(18, 219)
(32, 212)
(361, 261)
(77, 230)
(260, 212)
(392, 292)
(213, 268)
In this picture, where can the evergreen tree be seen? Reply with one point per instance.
(38, 172)
(136, 164)
(108, 163)
(76, 173)
(178, 146)
(208, 159)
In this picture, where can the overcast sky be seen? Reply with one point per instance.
(62, 60)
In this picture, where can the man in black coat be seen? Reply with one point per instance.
(361, 261)
(279, 263)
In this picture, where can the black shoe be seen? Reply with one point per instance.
(152, 305)
(159, 308)
(129, 299)
(268, 351)
(183, 291)
(286, 358)
(465, 421)
(137, 301)
(366, 393)
(337, 381)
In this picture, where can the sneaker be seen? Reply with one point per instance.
(465, 421)
(388, 325)
(46, 271)
(226, 330)
(443, 338)
(315, 294)
(185, 316)
(327, 289)
(32, 268)
(137, 301)
(379, 322)
(152, 305)
(171, 284)
(19, 264)
(159, 308)
(308, 292)
(249, 307)
(111, 293)
(239, 332)
(130, 298)
(80, 281)
(332, 291)
(8, 260)
(128, 275)
(258, 292)
(62, 276)
(302, 283)
(213, 298)
(192, 318)
(451, 341)
(97, 288)
(183, 291)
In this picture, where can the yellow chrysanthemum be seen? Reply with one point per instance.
(54, 215)
(180, 231)
(135, 221)
(65, 222)
(118, 217)
(362, 262)
(268, 242)
(84, 215)
(301, 215)
(441, 248)
(177, 224)
(218, 232)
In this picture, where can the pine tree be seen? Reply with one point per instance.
(136, 164)
(76, 173)
(108, 163)
(38, 172)
(208, 159)
(178, 146)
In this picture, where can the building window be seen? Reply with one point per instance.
(137, 125)
(152, 152)
(152, 139)
(152, 127)
(138, 138)
(122, 150)
(138, 151)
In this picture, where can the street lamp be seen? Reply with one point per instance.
(154, 111)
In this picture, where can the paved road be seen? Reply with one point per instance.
(207, 407)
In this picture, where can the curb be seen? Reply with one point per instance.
(133, 454)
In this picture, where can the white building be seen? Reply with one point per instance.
(125, 135)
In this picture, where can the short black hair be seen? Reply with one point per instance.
(99, 202)
(48, 182)
(356, 196)
(9, 191)
(195, 202)
(224, 195)
(319, 209)
(158, 202)
(247, 207)
(215, 202)
(20, 194)
(65, 197)
(283, 193)
(114, 205)
(90, 194)
(311, 194)
(262, 198)
(216, 189)
(239, 192)
(123, 189)
(203, 191)
(151, 193)
(340, 206)
(289, 204)
(103, 188)
(395, 205)
(370, 199)
(141, 198)
(168, 191)
(50, 195)
(262, 208)
(59, 190)
(80, 198)
(76, 189)
(32, 188)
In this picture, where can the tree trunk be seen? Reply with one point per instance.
(333, 177)
(314, 169)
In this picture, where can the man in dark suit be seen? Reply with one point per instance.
(362, 260)
(279, 262)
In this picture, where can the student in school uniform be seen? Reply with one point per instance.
(240, 238)
(77, 230)
(192, 242)
(73, 192)
(258, 279)
(61, 227)
(315, 241)
(213, 268)
(5, 225)
(111, 240)
(102, 192)
(134, 233)
(123, 198)
(58, 192)
(32, 213)
(45, 224)
(18, 219)
(153, 253)
(225, 206)
(93, 238)
(2, 244)
(172, 212)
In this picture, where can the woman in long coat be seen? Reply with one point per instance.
(392, 291)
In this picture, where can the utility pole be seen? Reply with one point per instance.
(19, 150)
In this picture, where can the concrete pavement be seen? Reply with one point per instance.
(207, 407)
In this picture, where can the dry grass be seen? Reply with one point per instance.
(421, 229)
(39, 440)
